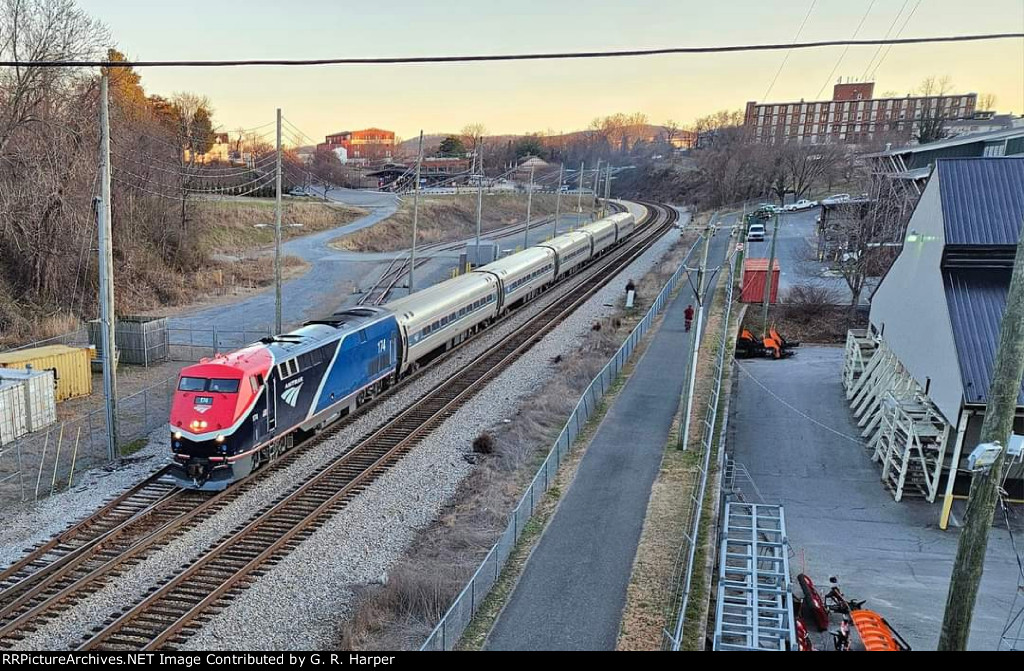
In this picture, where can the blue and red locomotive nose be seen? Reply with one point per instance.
(215, 396)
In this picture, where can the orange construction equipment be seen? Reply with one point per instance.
(772, 345)
(875, 632)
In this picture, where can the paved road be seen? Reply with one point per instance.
(796, 251)
(318, 291)
(573, 588)
(839, 517)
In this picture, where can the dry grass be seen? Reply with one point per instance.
(426, 580)
(823, 324)
(448, 218)
(230, 225)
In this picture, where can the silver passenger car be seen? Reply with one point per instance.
(603, 232)
(571, 250)
(444, 314)
(521, 274)
(625, 223)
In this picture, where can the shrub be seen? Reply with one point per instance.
(483, 444)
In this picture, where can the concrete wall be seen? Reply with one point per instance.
(921, 335)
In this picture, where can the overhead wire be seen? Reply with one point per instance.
(790, 51)
(888, 48)
(479, 58)
(846, 49)
(888, 32)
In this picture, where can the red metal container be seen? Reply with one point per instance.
(755, 272)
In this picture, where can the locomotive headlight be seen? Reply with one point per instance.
(219, 439)
(177, 435)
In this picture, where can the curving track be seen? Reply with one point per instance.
(79, 561)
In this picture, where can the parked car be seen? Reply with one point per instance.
(802, 204)
(755, 233)
(835, 199)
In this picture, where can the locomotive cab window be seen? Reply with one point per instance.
(192, 384)
(224, 386)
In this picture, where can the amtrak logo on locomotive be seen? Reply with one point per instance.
(291, 394)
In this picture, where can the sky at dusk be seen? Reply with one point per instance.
(551, 96)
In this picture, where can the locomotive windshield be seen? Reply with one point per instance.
(223, 386)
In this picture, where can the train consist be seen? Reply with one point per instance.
(235, 412)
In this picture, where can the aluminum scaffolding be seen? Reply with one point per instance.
(754, 605)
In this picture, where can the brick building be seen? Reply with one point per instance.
(853, 116)
(369, 144)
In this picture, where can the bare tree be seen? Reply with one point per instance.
(987, 102)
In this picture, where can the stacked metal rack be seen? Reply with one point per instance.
(755, 604)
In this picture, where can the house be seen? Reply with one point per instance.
(219, 152)
(919, 378)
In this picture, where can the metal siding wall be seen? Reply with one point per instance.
(924, 344)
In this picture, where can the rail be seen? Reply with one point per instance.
(449, 629)
(168, 615)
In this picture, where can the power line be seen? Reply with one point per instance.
(789, 51)
(895, 20)
(900, 32)
(843, 55)
(409, 60)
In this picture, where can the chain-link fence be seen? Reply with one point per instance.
(682, 580)
(449, 630)
(48, 461)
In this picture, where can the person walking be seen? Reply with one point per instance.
(688, 315)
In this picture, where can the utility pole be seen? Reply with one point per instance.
(597, 180)
(579, 196)
(558, 196)
(415, 217)
(479, 197)
(607, 190)
(1007, 372)
(106, 266)
(684, 437)
(277, 233)
(768, 280)
(529, 210)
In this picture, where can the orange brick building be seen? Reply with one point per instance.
(369, 144)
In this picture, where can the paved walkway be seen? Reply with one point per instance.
(573, 588)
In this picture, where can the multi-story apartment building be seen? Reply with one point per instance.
(369, 144)
(853, 116)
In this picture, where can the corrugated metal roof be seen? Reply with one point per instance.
(976, 301)
(982, 200)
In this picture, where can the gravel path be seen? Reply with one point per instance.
(362, 541)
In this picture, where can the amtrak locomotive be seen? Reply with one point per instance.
(235, 412)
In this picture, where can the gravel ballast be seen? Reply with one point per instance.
(299, 602)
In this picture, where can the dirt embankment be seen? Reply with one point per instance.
(232, 237)
(453, 217)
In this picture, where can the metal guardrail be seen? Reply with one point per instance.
(683, 573)
(449, 630)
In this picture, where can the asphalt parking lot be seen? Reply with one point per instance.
(790, 425)
(796, 251)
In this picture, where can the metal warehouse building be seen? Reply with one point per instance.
(918, 380)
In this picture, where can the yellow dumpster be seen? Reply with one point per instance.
(70, 366)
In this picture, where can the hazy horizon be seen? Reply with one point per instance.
(547, 96)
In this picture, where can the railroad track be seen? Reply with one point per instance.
(380, 290)
(80, 560)
(178, 608)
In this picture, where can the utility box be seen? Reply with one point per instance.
(12, 411)
(70, 367)
(486, 252)
(138, 340)
(755, 274)
(40, 395)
